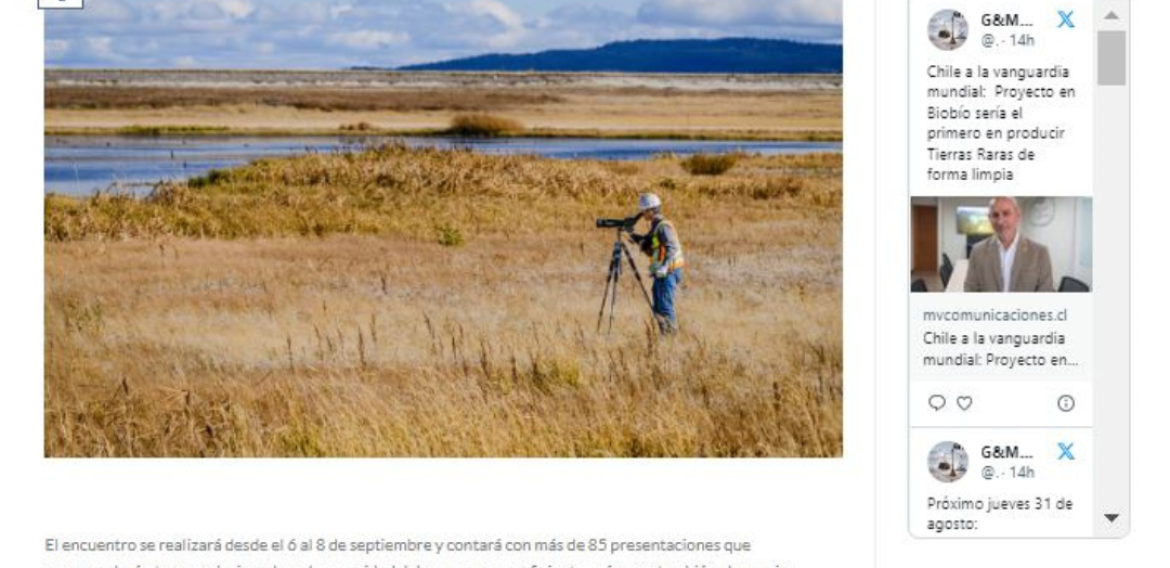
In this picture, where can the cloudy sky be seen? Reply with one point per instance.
(330, 34)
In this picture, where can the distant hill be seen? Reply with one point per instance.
(735, 55)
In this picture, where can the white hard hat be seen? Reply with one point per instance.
(648, 201)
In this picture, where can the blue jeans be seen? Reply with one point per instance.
(664, 289)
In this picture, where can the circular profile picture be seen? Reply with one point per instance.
(948, 30)
(947, 462)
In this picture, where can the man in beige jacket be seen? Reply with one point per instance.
(1008, 261)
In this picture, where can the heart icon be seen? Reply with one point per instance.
(964, 402)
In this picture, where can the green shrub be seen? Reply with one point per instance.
(449, 236)
(213, 177)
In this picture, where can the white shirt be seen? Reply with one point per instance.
(1007, 258)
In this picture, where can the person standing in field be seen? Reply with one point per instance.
(662, 245)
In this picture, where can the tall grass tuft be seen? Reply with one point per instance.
(362, 126)
(483, 125)
(709, 164)
(449, 236)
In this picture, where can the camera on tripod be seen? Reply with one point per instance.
(620, 249)
(626, 224)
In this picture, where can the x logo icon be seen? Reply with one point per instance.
(1065, 19)
(1065, 451)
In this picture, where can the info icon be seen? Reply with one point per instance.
(948, 30)
(61, 4)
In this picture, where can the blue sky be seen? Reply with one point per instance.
(329, 34)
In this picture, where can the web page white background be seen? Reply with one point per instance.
(804, 513)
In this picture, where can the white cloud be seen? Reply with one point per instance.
(109, 11)
(205, 11)
(194, 13)
(496, 10)
(56, 48)
(480, 24)
(340, 33)
(237, 9)
(185, 61)
(585, 14)
(300, 12)
(100, 48)
(741, 12)
(368, 39)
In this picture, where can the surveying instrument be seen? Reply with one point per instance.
(621, 227)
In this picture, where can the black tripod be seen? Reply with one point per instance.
(611, 281)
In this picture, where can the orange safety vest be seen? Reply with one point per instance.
(658, 248)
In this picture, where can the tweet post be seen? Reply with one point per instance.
(1018, 346)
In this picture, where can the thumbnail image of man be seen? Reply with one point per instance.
(1008, 261)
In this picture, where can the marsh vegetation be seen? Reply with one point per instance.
(421, 302)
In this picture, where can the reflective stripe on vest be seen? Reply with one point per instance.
(659, 247)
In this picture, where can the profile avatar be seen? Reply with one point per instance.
(947, 462)
(948, 30)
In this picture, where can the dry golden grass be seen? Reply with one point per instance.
(780, 110)
(709, 164)
(98, 97)
(398, 190)
(377, 340)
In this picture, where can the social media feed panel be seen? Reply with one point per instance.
(1018, 375)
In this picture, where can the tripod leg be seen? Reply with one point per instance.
(609, 280)
(617, 272)
(642, 286)
(638, 275)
